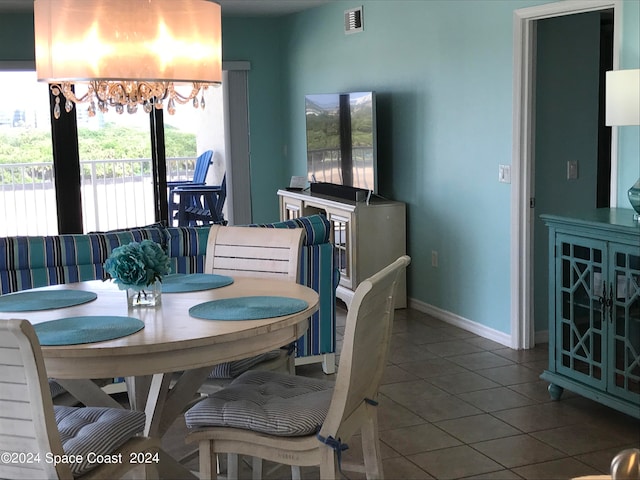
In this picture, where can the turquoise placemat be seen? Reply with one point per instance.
(194, 282)
(89, 329)
(247, 308)
(44, 300)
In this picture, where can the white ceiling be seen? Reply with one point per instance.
(229, 7)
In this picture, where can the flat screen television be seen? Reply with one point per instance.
(341, 139)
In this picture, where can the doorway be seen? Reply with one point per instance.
(572, 145)
(523, 334)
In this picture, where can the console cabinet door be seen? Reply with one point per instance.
(624, 342)
(581, 278)
(342, 239)
(290, 208)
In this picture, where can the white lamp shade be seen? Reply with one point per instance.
(622, 99)
(159, 40)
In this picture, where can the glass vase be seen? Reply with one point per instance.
(148, 296)
(634, 198)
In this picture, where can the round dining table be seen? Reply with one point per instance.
(171, 341)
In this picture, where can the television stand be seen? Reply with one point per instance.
(367, 236)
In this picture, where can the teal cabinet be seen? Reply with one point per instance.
(594, 305)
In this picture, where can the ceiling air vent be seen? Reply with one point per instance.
(353, 20)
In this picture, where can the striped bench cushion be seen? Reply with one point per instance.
(31, 262)
(187, 248)
(266, 402)
(316, 228)
(317, 270)
(95, 429)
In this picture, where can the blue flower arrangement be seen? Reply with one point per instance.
(137, 265)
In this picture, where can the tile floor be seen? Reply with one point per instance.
(454, 405)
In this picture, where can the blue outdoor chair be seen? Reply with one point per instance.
(199, 177)
(201, 204)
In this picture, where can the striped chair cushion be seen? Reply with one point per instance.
(234, 368)
(95, 429)
(266, 402)
(55, 388)
(187, 248)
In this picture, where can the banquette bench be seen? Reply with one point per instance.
(38, 261)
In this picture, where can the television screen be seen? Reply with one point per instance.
(341, 139)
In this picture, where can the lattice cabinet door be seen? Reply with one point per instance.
(623, 303)
(580, 318)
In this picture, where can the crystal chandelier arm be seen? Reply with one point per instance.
(129, 94)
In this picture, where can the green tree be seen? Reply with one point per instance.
(111, 142)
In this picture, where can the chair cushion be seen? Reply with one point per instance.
(55, 388)
(267, 402)
(236, 367)
(99, 430)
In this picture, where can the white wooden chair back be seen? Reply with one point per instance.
(28, 424)
(256, 252)
(365, 351)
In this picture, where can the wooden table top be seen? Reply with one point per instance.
(171, 340)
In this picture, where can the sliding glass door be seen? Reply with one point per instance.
(115, 170)
(27, 190)
(105, 167)
(190, 132)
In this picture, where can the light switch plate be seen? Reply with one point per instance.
(572, 170)
(504, 173)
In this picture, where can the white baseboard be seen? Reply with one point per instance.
(461, 322)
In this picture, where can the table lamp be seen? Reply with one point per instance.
(622, 102)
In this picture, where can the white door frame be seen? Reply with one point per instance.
(522, 168)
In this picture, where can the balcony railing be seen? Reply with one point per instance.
(115, 194)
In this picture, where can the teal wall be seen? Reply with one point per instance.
(443, 74)
(259, 40)
(566, 126)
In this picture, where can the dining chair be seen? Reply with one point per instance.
(200, 171)
(302, 421)
(253, 252)
(35, 435)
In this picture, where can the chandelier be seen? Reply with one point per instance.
(128, 53)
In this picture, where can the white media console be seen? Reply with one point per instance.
(367, 236)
